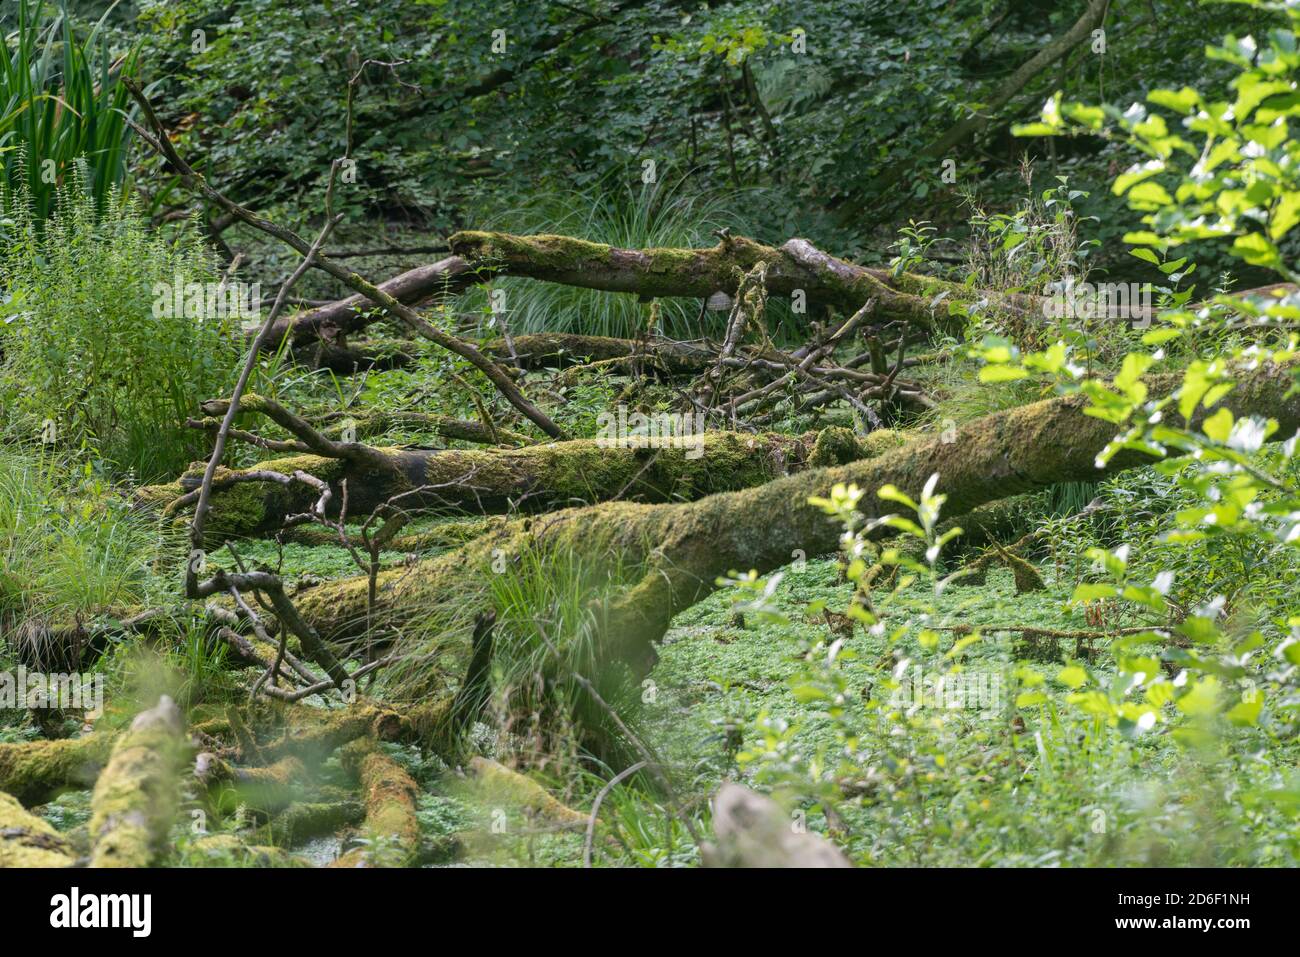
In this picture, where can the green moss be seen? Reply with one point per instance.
(227, 850)
(136, 795)
(33, 771)
(28, 841)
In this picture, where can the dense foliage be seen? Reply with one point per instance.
(1103, 670)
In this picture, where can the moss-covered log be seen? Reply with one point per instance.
(36, 771)
(312, 735)
(684, 548)
(502, 785)
(136, 796)
(391, 830)
(657, 272)
(534, 478)
(30, 841)
(303, 821)
(699, 273)
(265, 789)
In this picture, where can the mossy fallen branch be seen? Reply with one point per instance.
(684, 548)
(503, 785)
(36, 771)
(391, 830)
(136, 796)
(265, 789)
(30, 841)
(535, 478)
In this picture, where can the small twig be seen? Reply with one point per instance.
(595, 807)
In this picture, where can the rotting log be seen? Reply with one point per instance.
(825, 280)
(391, 830)
(30, 841)
(684, 548)
(36, 771)
(534, 478)
(136, 796)
(265, 789)
(503, 785)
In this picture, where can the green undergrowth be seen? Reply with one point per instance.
(1019, 782)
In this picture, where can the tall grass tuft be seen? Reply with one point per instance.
(69, 549)
(658, 214)
(547, 637)
(60, 102)
(87, 364)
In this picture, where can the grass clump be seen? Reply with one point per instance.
(68, 549)
(661, 214)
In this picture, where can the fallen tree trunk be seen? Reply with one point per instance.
(684, 548)
(391, 829)
(825, 280)
(30, 841)
(536, 477)
(36, 771)
(699, 273)
(502, 785)
(136, 796)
